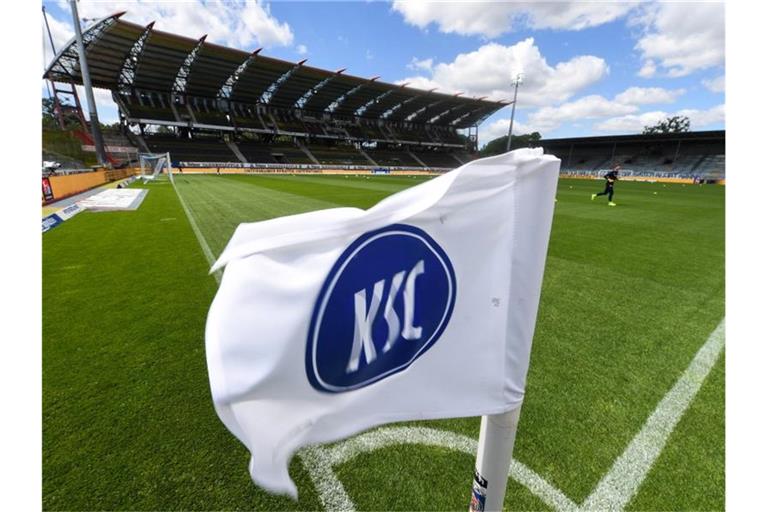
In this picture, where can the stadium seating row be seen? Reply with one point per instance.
(214, 149)
(683, 158)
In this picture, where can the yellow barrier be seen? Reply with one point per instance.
(628, 178)
(71, 184)
(258, 170)
(119, 174)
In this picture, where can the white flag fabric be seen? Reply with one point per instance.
(332, 322)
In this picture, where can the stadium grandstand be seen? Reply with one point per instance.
(208, 105)
(699, 156)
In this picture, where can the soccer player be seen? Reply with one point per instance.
(610, 179)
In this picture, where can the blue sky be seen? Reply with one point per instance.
(588, 68)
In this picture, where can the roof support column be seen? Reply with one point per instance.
(677, 152)
(93, 115)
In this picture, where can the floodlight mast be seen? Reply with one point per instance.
(93, 116)
(518, 79)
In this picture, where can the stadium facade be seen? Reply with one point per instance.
(698, 156)
(228, 106)
(212, 106)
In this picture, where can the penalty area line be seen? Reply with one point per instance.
(628, 472)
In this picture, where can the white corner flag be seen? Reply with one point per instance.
(332, 322)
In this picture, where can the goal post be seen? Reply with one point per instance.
(154, 164)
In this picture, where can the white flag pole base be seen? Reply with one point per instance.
(494, 456)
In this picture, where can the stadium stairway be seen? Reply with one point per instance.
(87, 140)
(137, 140)
(413, 155)
(367, 156)
(236, 150)
(307, 152)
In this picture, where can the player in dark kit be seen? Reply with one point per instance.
(610, 179)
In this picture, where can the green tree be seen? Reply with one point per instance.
(674, 124)
(49, 116)
(48, 107)
(499, 145)
(110, 128)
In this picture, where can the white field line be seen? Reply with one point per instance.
(622, 482)
(329, 488)
(321, 461)
(614, 491)
(198, 234)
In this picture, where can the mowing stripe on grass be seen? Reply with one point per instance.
(320, 462)
(622, 482)
(199, 235)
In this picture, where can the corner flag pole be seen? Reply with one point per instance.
(494, 456)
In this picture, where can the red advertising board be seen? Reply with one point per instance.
(47, 190)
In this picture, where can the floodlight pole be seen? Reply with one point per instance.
(518, 79)
(48, 28)
(98, 140)
(494, 457)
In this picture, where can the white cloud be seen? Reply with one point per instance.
(491, 19)
(703, 118)
(499, 128)
(633, 123)
(681, 37)
(648, 69)
(105, 107)
(61, 32)
(102, 97)
(487, 72)
(588, 107)
(424, 64)
(301, 49)
(595, 106)
(241, 24)
(648, 95)
(716, 84)
(636, 122)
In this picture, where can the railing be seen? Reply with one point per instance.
(346, 167)
(630, 173)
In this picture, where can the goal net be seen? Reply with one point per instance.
(154, 164)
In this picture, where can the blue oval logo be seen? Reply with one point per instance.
(385, 302)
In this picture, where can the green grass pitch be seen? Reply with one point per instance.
(630, 293)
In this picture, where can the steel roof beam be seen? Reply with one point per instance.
(66, 62)
(423, 109)
(229, 84)
(272, 89)
(180, 83)
(395, 108)
(311, 92)
(341, 99)
(131, 61)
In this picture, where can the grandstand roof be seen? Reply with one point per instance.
(123, 55)
(703, 136)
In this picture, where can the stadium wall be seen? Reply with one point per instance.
(71, 184)
(651, 179)
(259, 170)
